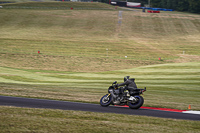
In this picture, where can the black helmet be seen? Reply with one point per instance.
(126, 78)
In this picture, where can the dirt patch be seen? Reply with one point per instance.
(187, 58)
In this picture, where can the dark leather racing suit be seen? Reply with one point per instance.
(130, 85)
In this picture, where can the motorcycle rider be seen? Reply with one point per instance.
(129, 85)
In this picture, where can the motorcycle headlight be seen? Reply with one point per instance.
(110, 90)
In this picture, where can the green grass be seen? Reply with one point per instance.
(46, 120)
(83, 51)
(174, 85)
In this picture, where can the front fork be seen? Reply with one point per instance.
(108, 95)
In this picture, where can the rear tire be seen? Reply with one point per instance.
(105, 100)
(137, 104)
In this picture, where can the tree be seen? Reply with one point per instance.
(155, 3)
(183, 5)
(169, 4)
(163, 3)
(194, 6)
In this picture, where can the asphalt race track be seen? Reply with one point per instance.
(64, 105)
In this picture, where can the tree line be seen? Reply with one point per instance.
(178, 5)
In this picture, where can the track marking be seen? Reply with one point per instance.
(192, 112)
(161, 109)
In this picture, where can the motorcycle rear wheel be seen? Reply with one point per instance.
(106, 100)
(137, 104)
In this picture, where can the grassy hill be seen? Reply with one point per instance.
(59, 5)
(90, 39)
(168, 85)
(82, 51)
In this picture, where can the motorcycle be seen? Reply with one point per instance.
(130, 97)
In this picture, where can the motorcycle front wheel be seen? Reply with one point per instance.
(106, 100)
(137, 104)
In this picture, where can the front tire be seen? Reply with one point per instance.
(137, 104)
(106, 100)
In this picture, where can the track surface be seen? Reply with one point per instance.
(64, 105)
